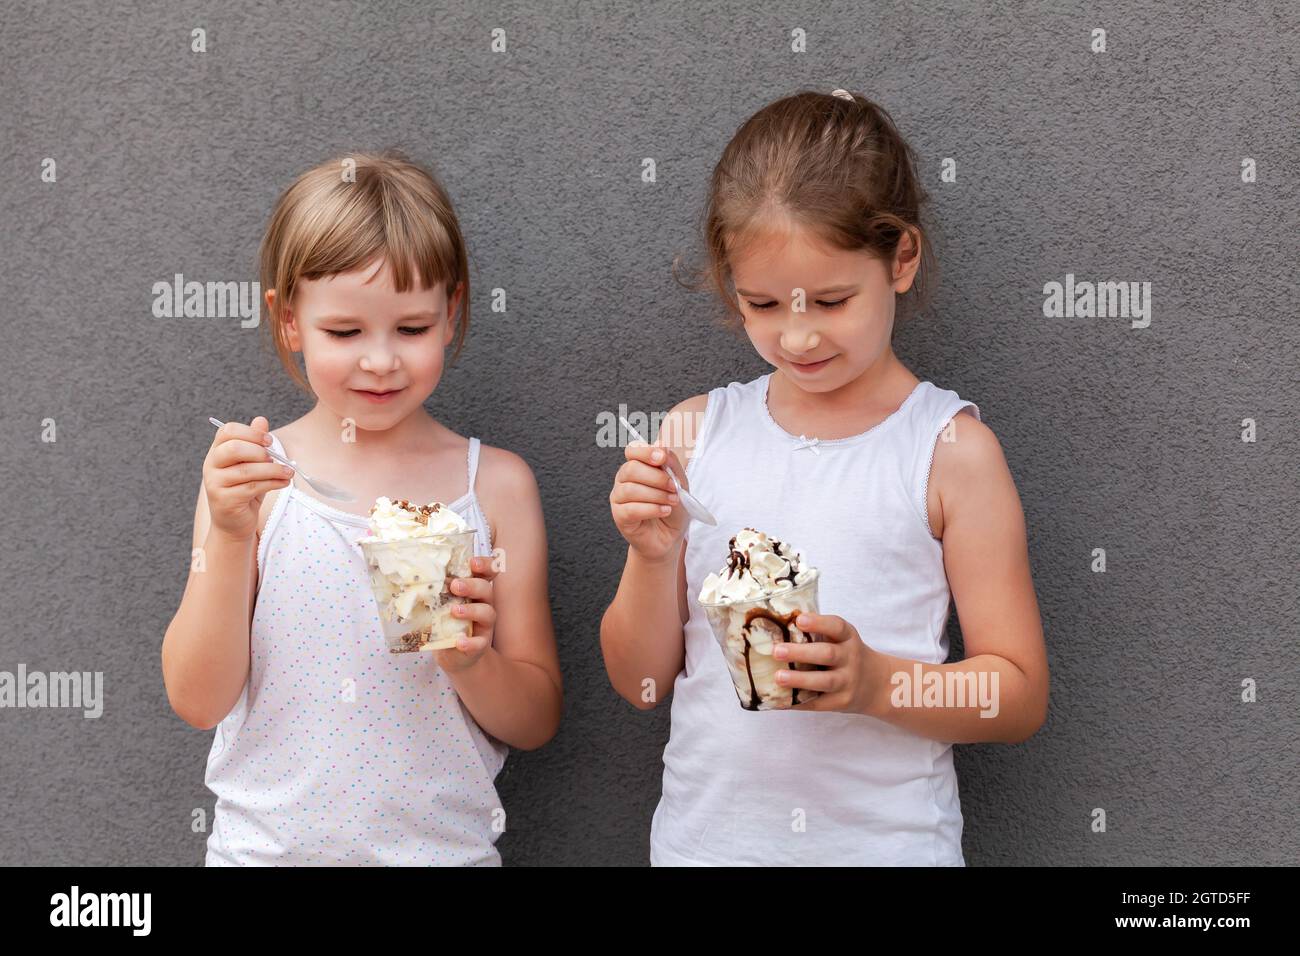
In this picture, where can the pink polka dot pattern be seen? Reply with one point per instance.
(339, 752)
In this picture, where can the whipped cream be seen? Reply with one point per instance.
(412, 551)
(396, 520)
(757, 567)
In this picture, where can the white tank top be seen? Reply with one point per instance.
(339, 752)
(795, 788)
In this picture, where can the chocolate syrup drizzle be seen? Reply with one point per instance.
(781, 621)
(737, 564)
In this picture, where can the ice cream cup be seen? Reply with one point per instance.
(411, 580)
(747, 632)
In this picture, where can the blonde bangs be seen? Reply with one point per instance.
(325, 225)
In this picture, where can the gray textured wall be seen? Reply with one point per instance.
(1124, 166)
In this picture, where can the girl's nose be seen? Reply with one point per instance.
(379, 360)
(797, 338)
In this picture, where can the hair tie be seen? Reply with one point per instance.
(843, 94)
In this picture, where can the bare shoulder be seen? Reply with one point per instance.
(681, 426)
(504, 483)
(969, 471)
(970, 448)
(504, 470)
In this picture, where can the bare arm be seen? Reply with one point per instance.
(642, 633)
(205, 652)
(513, 690)
(986, 559)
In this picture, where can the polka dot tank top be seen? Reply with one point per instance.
(339, 752)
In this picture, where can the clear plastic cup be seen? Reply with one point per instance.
(747, 631)
(411, 580)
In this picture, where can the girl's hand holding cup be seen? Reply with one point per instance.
(854, 677)
(478, 609)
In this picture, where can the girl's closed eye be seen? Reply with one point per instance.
(405, 330)
(761, 306)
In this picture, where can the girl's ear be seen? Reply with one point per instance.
(907, 259)
(453, 319)
(287, 320)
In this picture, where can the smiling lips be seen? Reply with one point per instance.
(377, 396)
(811, 366)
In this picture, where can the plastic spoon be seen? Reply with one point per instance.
(324, 487)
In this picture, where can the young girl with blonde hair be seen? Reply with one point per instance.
(329, 749)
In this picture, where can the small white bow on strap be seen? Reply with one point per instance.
(808, 443)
